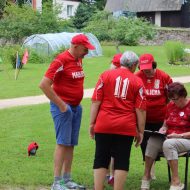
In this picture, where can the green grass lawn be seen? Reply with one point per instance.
(22, 125)
(31, 74)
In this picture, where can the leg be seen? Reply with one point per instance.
(171, 149)
(154, 146)
(122, 150)
(152, 171)
(101, 159)
(68, 158)
(144, 144)
(151, 127)
(58, 159)
(111, 172)
(99, 178)
(112, 167)
(148, 165)
(175, 181)
(119, 179)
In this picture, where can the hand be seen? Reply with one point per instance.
(163, 130)
(63, 107)
(138, 139)
(91, 131)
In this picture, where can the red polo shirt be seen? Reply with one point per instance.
(120, 92)
(156, 95)
(67, 75)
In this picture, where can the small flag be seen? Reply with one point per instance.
(25, 57)
(18, 65)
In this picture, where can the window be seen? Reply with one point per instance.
(69, 10)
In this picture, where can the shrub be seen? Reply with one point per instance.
(38, 58)
(8, 54)
(122, 30)
(174, 51)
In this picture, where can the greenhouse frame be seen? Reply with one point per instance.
(51, 43)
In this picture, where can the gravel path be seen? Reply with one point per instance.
(32, 100)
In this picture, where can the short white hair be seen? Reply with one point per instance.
(129, 58)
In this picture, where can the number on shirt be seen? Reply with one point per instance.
(121, 93)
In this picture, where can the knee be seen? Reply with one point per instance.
(168, 145)
(169, 149)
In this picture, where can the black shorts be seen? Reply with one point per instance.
(112, 145)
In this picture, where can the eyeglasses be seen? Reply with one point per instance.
(174, 99)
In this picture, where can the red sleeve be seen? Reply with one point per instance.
(55, 66)
(98, 91)
(141, 97)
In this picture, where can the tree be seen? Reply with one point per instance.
(20, 3)
(99, 29)
(2, 5)
(83, 13)
(49, 3)
(100, 4)
(19, 22)
(127, 31)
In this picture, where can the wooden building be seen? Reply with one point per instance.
(166, 13)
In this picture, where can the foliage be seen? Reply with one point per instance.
(60, 50)
(8, 54)
(100, 4)
(82, 15)
(122, 30)
(2, 5)
(20, 3)
(36, 58)
(174, 51)
(19, 22)
(100, 29)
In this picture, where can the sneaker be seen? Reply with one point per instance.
(111, 181)
(72, 185)
(59, 185)
(179, 187)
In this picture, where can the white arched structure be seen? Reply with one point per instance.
(52, 42)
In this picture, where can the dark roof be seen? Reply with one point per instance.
(143, 5)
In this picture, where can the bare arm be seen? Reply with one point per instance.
(164, 128)
(182, 135)
(46, 86)
(141, 118)
(93, 115)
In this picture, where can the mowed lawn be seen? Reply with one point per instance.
(20, 126)
(31, 74)
(23, 125)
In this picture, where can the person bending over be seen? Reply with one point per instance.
(117, 116)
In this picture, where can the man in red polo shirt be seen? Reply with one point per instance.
(63, 85)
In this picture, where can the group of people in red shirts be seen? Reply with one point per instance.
(124, 103)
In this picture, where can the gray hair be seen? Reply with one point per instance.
(129, 58)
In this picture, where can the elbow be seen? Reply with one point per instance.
(40, 85)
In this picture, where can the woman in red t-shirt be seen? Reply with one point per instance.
(177, 129)
(156, 83)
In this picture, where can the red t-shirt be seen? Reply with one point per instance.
(67, 75)
(156, 95)
(178, 119)
(120, 92)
